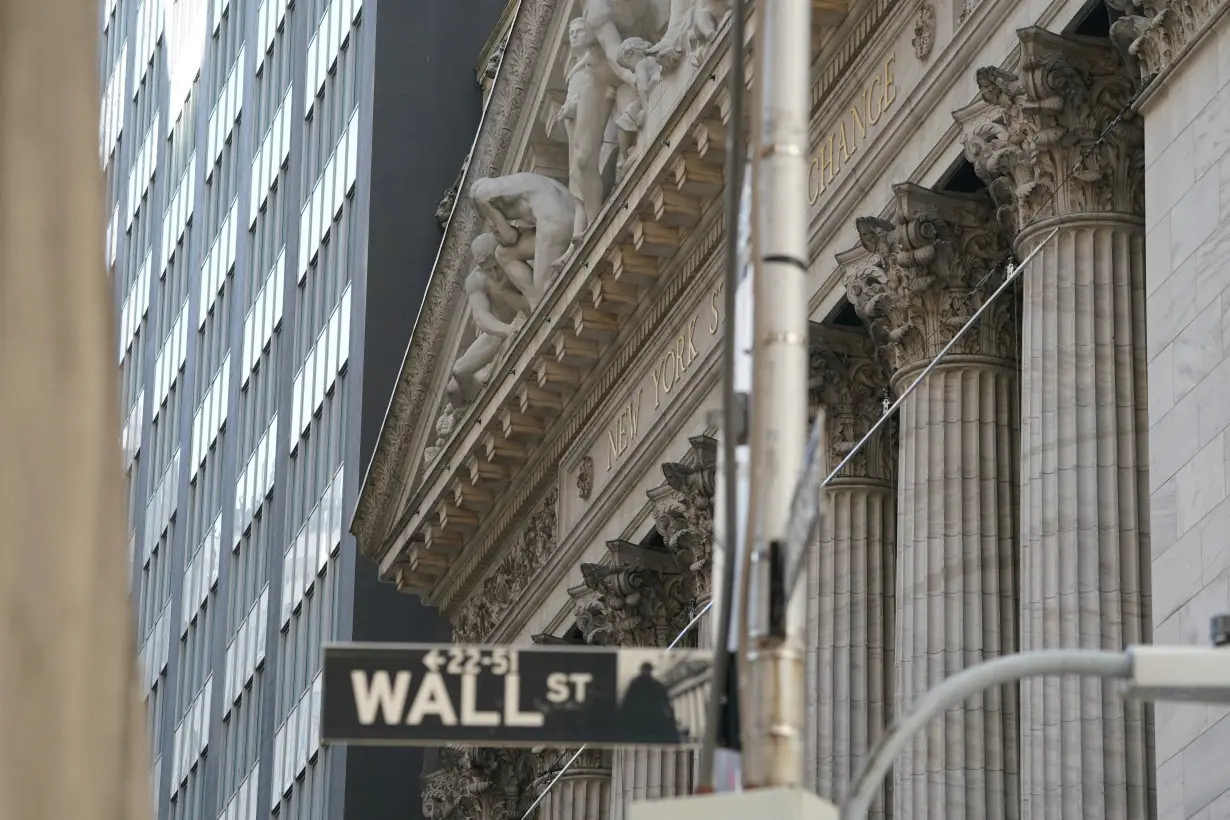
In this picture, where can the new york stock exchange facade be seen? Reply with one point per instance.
(546, 470)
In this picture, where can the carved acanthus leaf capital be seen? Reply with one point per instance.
(637, 601)
(848, 380)
(1048, 151)
(929, 266)
(480, 784)
(684, 511)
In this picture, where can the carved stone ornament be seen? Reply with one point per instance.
(528, 219)
(416, 398)
(645, 595)
(445, 209)
(924, 32)
(848, 380)
(487, 604)
(640, 599)
(1051, 116)
(929, 267)
(1153, 33)
(480, 784)
(585, 478)
(684, 507)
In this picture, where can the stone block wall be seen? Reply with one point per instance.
(1187, 145)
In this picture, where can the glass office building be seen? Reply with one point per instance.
(272, 172)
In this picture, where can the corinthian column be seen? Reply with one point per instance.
(642, 596)
(1084, 528)
(851, 578)
(956, 568)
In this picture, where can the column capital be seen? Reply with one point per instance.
(1050, 114)
(683, 511)
(639, 599)
(851, 383)
(480, 784)
(928, 266)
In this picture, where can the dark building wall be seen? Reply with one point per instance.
(426, 105)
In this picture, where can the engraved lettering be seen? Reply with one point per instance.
(874, 114)
(622, 432)
(691, 339)
(713, 303)
(670, 365)
(841, 143)
(844, 145)
(890, 87)
(858, 121)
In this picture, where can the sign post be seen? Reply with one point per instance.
(438, 694)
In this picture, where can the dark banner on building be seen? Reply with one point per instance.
(435, 694)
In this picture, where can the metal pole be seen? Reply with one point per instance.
(724, 584)
(958, 688)
(773, 736)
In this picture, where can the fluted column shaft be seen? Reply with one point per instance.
(579, 795)
(1065, 150)
(956, 587)
(956, 491)
(649, 774)
(850, 658)
(1084, 483)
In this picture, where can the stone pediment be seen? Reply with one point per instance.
(538, 274)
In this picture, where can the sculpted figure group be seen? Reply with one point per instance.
(618, 50)
(611, 69)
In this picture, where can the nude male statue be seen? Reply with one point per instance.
(498, 309)
(544, 210)
(585, 115)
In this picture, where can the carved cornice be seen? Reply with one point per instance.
(480, 784)
(521, 561)
(929, 267)
(1052, 112)
(413, 391)
(849, 381)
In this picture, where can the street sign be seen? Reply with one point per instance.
(436, 694)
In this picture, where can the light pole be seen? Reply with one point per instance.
(1186, 673)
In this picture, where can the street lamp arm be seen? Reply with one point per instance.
(961, 686)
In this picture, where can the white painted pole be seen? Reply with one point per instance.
(774, 711)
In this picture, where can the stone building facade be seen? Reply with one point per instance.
(546, 469)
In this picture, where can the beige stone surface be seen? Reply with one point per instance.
(71, 725)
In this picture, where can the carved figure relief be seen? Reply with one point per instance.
(611, 70)
(531, 217)
(498, 308)
(592, 80)
(1051, 118)
(480, 784)
(519, 564)
(929, 267)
